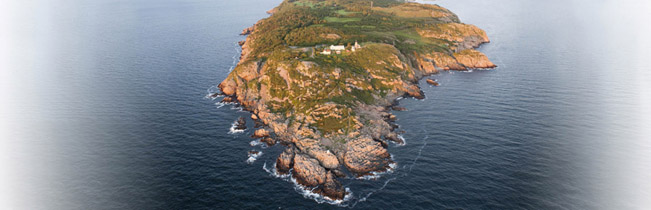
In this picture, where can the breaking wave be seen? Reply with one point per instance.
(377, 174)
(273, 171)
(258, 143)
(234, 130)
(404, 141)
(253, 156)
(220, 105)
(307, 193)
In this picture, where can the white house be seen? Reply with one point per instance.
(337, 47)
(326, 52)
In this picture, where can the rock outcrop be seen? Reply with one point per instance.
(260, 133)
(473, 59)
(307, 171)
(364, 155)
(247, 31)
(240, 124)
(432, 82)
(285, 161)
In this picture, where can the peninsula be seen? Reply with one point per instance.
(320, 77)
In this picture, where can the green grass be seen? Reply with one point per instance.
(341, 20)
(346, 13)
(305, 4)
(360, 26)
(330, 125)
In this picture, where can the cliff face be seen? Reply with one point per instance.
(332, 111)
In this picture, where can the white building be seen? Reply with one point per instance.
(326, 52)
(355, 47)
(337, 47)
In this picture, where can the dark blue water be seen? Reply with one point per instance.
(104, 108)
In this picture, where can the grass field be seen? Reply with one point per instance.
(345, 13)
(341, 20)
(414, 11)
(305, 4)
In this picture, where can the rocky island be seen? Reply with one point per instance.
(320, 77)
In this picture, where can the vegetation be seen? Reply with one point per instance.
(302, 82)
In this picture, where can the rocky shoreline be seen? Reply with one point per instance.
(316, 158)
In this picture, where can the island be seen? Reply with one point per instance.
(320, 77)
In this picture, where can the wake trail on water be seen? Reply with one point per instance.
(420, 152)
(371, 193)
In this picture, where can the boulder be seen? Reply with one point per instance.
(332, 188)
(363, 155)
(248, 30)
(307, 171)
(268, 140)
(228, 87)
(398, 108)
(432, 82)
(394, 138)
(228, 99)
(285, 161)
(260, 133)
(240, 124)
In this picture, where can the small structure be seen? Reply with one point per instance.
(326, 52)
(337, 47)
(355, 47)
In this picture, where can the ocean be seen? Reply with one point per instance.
(104, 107)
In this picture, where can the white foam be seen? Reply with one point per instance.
(404, 141)
(220, 105)
(238, 108)
(273, 172)
(211, 93)
(235, 57)
(307, 193)
(253, 157)
(234, 130)
(376, 175)
(318, 197)
(257, 143)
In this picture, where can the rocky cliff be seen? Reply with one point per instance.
(332, 111)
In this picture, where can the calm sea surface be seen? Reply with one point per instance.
(104, 108)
